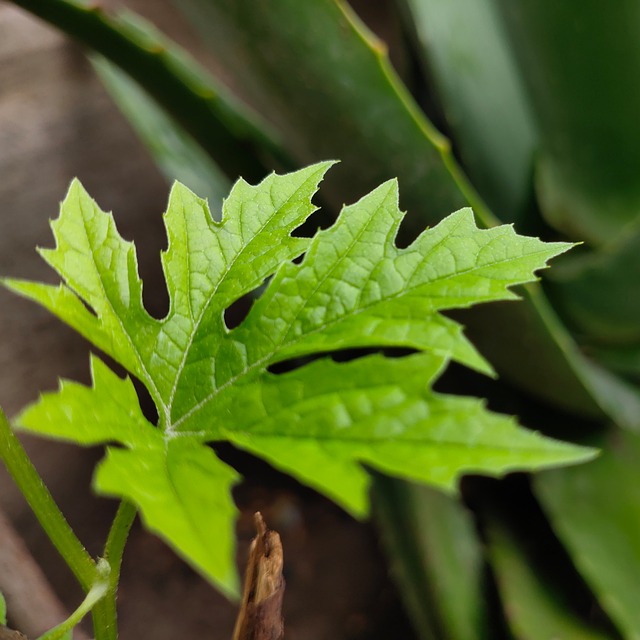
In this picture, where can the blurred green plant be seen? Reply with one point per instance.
(536, 104)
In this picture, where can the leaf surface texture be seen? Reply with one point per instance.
(321, 420)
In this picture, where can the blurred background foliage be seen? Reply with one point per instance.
(527, 111)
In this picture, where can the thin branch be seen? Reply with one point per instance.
(44, 507)
(33, 605)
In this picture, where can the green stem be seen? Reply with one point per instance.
(224, 127)
(63, 538)
(44, 507)
(105, 616)
(96, 593)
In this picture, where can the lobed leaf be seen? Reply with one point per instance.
(323, 421)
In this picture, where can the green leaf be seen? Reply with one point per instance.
(466, 53)
(595, 511)
(183, 492)
(226, 128)
(578, 66)
(598, 292)
(624, 360)
(533, 607)
(3, 609)
(324, 61)
(176, 153)
(321, 421)
(436, 558)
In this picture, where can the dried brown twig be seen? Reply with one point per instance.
(260, 616)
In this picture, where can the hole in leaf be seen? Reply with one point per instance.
(294, 363)
(147, 405)
(318, 220)
(344, 355)
(145, 228)
(347, 355)
(237, 312)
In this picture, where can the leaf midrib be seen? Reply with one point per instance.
(365, 440)
(187, 513)
(248, 370)
(205, 307)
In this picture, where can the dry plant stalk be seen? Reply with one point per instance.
(260, 616)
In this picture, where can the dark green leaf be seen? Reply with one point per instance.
(467, 54)
(581, 68)
(533, 608)
(599, 292)
(329, 87)
(595, 511)
(436, 558)
(177, 155)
